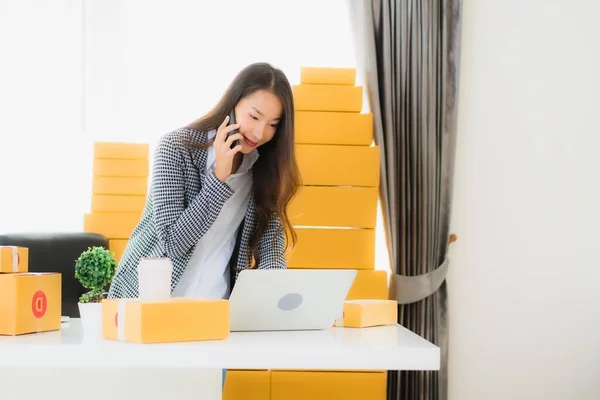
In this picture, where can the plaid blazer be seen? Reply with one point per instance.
(182, 204)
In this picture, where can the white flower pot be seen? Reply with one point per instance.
(91, 318)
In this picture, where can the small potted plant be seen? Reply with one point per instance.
(95, 269)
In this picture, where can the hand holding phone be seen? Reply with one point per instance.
(226, 147)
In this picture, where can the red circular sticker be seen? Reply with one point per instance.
(39, 304)
(117, 319)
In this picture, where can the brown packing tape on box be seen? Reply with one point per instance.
(14, 259)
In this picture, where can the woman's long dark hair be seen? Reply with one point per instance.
(276, 175)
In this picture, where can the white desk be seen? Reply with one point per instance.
(378, 348)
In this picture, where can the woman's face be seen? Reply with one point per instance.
(258, 115)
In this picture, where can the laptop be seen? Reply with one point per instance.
(288, 299)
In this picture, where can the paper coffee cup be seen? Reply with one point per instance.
(154, 278)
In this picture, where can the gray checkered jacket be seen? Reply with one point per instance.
(182, 204)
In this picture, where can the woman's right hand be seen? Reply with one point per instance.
(224, 154)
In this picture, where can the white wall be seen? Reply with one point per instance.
(40, 114)
(524, 281)
(151, 67)
(77, 71)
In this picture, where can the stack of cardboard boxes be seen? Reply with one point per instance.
(119, 191)
(335, 211)
(334, 215)
(29, 302)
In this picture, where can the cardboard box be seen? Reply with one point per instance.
(369, 285)
(119, 185)
(324, 165)
(117, 246)
(123, 168)
(14, 259)
(309, 97)
(135, 151)
(333, 248)
(247, 385)
(341, 128)
(354, 207)
(328, 385)
(328, 75)
(29, 303)
(172, 320)
(111, 225)
(118, 203)
(366, 313)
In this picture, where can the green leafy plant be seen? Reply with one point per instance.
(95, 268)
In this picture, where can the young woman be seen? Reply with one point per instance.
(217, 204)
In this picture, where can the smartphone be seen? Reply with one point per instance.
(233, 132)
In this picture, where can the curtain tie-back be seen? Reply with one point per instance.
(410, 289)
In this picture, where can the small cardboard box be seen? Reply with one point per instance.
(29, 303)
(118, 247)
(344, 98)
(111, 225)
(122, 168)
(126, 151)
(333, 249)
(337, 128)
(118, 185)
(365, 313)
(112, 203)
(172, 320)
(328, 75)
(328, 165)
(354, 207)
(14, 259)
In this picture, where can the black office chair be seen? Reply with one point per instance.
(57, 252)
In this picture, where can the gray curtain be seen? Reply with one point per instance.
(409, 53)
